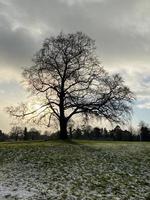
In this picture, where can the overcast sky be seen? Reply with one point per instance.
(121, 30)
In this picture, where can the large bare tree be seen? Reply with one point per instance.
(67, 78)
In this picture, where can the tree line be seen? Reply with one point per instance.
(87, 132)
(18, 133)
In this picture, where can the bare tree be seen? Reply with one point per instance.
(68, 80)
(16, 132)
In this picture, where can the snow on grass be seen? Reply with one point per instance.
(89, 170)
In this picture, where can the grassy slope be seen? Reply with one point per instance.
(77, 170)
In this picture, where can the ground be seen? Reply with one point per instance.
(80, 170)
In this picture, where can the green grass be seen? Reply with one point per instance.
(78, 169)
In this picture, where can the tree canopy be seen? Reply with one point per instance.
(67, 79)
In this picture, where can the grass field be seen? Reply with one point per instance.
(80, 170)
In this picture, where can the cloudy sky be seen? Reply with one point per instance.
(121, 30)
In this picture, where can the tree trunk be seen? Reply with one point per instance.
(62, 120)
(63, 129)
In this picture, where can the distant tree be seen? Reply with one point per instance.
(127, 135)
(16, 133)
(87, 132)
(78, 133)
(34, 134)
(3, 136)
(118, 133)
(25, 134)
(67, 79)
(144, 132)
(97, 133)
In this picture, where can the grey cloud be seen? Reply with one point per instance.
(110, 23)
(16, 46)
